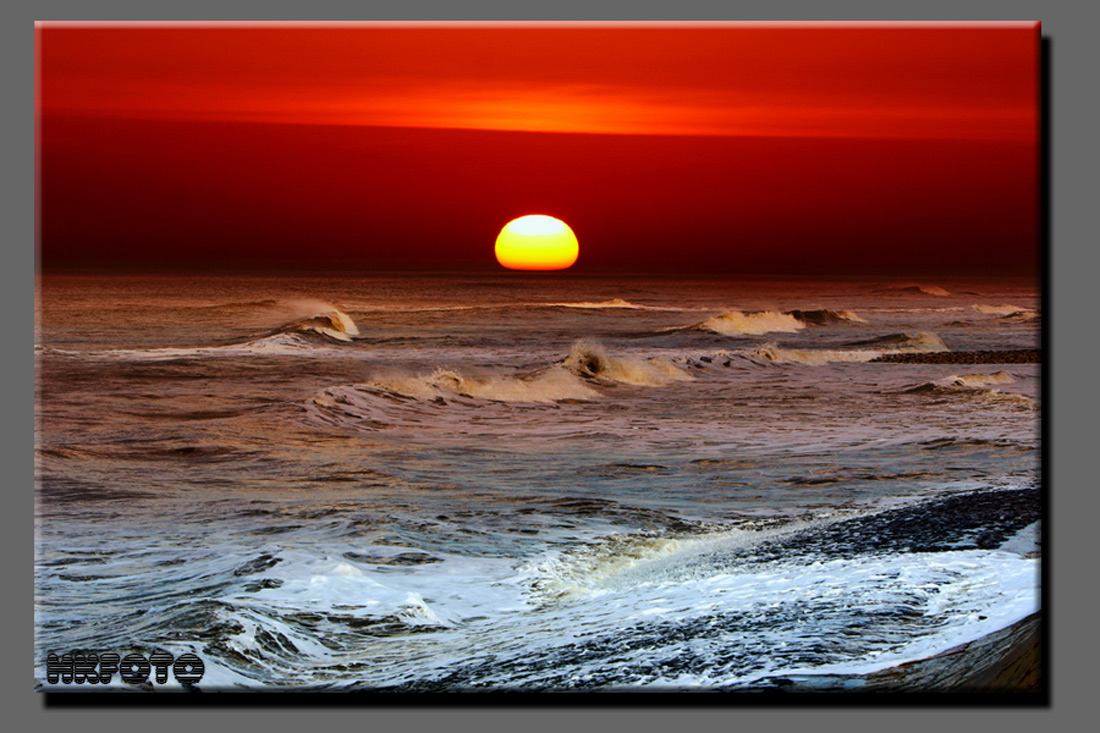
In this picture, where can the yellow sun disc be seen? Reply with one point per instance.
(537, 242)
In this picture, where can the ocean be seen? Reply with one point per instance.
(448, 482)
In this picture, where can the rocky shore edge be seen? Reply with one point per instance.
(1008, 661)
(1013, 356)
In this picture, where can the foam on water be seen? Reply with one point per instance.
(894, 343)
(591, 360)
(935, 290)
(812, 357)
(636, 610)
(920, 342)
(508, 497)
(284, 343)
(979, 380)
(825, 317)
(977, 386)
(600, 305)
(736, 323)
(549, 385)
(291, 339)
(1000, 310)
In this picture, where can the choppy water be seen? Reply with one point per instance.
(436, 482)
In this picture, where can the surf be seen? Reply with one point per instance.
(984, 387)
(934, 290)
(865, 351)
(755, 323)
(321, 318)
(592, 361)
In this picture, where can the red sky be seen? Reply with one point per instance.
(707, 148)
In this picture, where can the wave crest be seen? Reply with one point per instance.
(812, 357)
(591, 361)
(979, 380)
(825, 317)
(550, 385)
(755, 323)
(1008, 312)
(913, 290)
(998, 310)
(376, 402)
(737, 323)
(613, 303)
(977, 386)
(320, 317)
(870, 349)
(921, 342)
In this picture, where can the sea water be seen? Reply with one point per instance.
(527, 482)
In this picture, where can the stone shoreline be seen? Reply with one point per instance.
(1015, 356)
(1008, 661)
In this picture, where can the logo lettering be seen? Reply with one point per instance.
(134, 669)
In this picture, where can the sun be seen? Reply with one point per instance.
(537, 242)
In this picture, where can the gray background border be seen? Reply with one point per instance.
(1074, 169)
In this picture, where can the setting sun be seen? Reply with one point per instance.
(536, 242)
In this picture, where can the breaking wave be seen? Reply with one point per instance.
(755, 323)
(999, 310)
(591, 361)
(600, 305)
(551, 385)
(980, 386)
(980, 380)
(892, 343)
(383, 400)
(611, 304)
(314, 323)
(812, 357)
(322, 318)
(280, 343)
(736, 323)
(1008, 312)
(913, 290)
(923, 341)
(825, 317)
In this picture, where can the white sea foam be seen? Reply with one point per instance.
(523, 613)
(824, 316)
(755, 323)
(811, 357)
(285, 343)
(600, 305)
(920, 342)
(736, 323)
(550, 385)
(592, 361)
(320, 317)
(979, 380)
(964, 594)
(999, 310)
(311, 316)
(894, 343)
(977, 386)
